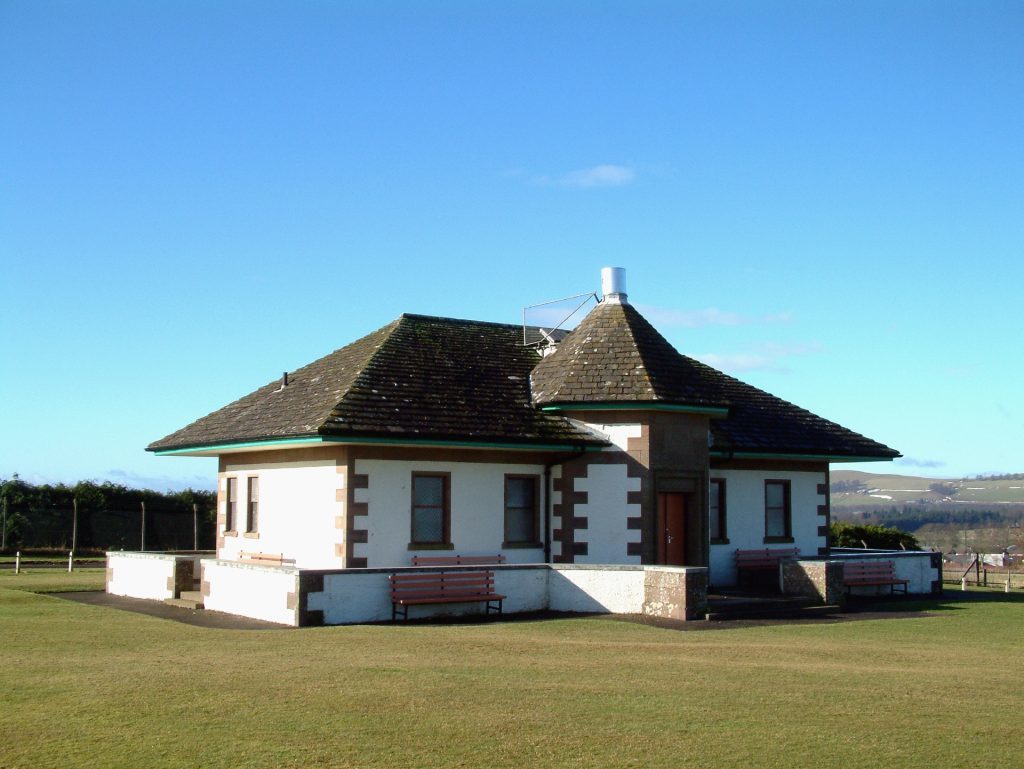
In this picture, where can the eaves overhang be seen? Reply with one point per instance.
(305, 441)
(791, 455)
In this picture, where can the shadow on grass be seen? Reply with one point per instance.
(949, 600)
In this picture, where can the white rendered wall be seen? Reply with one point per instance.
(140, 575)
(745, 523)
(298, 507)
(607, 534)
(362, 595)
(250, 590)
(477, 510)
(595, 589)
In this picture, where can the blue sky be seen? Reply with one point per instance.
(823, 199)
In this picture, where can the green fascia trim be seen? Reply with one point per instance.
(322, 439)
(815, 457)
(240, 445)
(713, 410)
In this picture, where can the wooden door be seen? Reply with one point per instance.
(672, 514)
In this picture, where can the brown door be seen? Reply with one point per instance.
(672, 514)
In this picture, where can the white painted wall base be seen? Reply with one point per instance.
(284, 594)
(144, 575)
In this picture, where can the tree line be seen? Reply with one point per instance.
(109, 517)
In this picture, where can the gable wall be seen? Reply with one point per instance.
(301, 505)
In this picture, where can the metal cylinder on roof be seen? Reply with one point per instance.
(613, 283)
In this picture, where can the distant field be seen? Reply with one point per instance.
(887, 490)
(88, 686)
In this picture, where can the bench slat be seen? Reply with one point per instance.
(872, 574)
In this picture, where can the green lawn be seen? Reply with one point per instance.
(95, 687)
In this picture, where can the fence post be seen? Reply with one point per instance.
(142, 542)
(17, 562)
(74, 527)
(1007, 588)
(71, 560)
(195, 526)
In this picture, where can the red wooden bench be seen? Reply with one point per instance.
(443, 587)
(872, 574)
(765, 559)
(273, 559)
(457, 560)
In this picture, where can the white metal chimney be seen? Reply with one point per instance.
(613, 284)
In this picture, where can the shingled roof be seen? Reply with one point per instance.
(615, 356)
(427, 378)
(418, 377)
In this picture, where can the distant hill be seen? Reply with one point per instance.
(950, 514)
(854, 490)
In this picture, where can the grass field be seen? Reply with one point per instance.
(84, 686)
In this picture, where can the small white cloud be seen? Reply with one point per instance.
(599, 176)
(604, 175)
(741, 362)
(912, 462)
(765, 357)
(708, 316)
(159, 482)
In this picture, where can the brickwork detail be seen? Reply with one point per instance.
(569, 524)
(355, 531)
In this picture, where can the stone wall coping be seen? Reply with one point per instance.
(643, 568)
(158, 555)
(871, 555)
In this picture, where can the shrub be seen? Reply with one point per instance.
(881, 537)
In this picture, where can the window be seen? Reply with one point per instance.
(231, 508)
(431, 512)
(252, 515)
(778, 523)
(521, 508)
(716, 511)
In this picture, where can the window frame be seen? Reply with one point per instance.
(252, 503)
(231, 504)
(534, 540)
(446, 512)
(787, 511)
(723, 530)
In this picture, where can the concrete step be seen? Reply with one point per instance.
(188, 599)
(184, 603)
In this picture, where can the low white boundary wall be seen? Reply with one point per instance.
(269, 593)
(155, 576)
(291, 596)
(922, 568)
(363, 595)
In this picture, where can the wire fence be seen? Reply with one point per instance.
(147, 527)
(983, 575)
